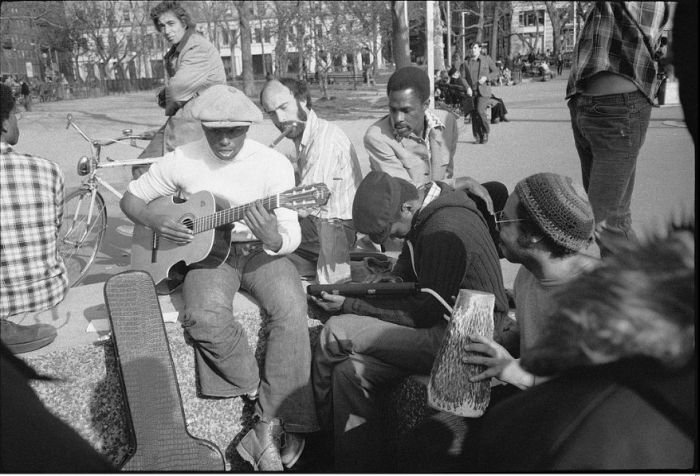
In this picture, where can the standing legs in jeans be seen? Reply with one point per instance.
(609, 131)
(226, 365)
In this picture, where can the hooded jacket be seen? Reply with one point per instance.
(453, 250)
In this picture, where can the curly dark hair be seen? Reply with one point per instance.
(171, 6)
(410, 77)
(7, 101)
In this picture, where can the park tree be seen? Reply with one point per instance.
(399, 36)
(529, 39)
(111, 27)
(374, 26)
(559, 16)
(244, 9)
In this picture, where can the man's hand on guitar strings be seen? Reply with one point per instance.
(263, 224)
(170, 229)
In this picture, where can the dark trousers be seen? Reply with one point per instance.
(480, 105)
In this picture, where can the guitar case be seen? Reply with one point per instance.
(157, 429)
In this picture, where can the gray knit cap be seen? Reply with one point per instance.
(560, 207)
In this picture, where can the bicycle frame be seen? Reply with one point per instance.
(84, 225)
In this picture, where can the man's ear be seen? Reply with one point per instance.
(5, 125)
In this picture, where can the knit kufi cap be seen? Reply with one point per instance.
(560, 207)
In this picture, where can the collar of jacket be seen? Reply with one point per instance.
(176, 49)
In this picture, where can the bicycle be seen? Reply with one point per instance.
(84, 210)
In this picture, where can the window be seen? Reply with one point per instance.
(266, 34)
(148, 42)
(528, 18)
(224, 37)
(258, 36)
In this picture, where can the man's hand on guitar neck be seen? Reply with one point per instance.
(263, 224)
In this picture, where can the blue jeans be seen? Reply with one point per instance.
(609, 132)
(225, 364)
(357, 356)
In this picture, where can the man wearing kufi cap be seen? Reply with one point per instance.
(241, 171)
(376, 342)
(547, 226)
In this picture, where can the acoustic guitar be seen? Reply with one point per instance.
(211, 243)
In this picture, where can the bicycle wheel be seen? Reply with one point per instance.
(80, 236)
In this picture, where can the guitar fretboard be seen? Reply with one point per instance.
(230, 215)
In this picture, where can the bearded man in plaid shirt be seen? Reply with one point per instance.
(33, 275)
(610, 90)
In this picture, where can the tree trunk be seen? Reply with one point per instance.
(402, 52)
(246, 54)
(438, 40)
(557, 25)
(480, 24)
(494, 31)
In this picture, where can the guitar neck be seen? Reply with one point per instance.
(230, 215)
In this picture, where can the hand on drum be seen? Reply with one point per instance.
(493, 355)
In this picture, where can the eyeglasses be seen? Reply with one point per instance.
(500, 218)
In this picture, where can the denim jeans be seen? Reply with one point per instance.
(609, 132)
(356, 356)
(225, 363)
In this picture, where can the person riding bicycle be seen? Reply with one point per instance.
(192, 64)
(34, 277)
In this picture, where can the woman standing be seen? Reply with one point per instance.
(192, 64)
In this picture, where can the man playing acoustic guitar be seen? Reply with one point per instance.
(239, 170)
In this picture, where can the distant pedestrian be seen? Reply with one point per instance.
(560, 63)
(26, 96)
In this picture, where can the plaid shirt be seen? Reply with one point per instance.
(619, 37)
(32, 273)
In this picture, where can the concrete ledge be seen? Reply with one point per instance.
(84, 307)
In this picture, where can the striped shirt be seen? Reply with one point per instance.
(32, 273)
(621, 38)
(327, 155)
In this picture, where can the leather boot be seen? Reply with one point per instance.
(261, 448)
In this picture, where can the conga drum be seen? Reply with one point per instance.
(449, 388)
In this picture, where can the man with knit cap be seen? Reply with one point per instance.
(240, 171)
(376, 342)
(547, 226)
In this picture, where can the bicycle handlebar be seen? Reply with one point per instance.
(148, 135)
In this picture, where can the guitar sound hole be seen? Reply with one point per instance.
(188, 223)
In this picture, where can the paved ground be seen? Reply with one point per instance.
(538, 138)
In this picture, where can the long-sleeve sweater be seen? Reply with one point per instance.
(453, 250)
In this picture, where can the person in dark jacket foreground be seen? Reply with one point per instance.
(620, 353)
(378, 341)
(33, 439)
